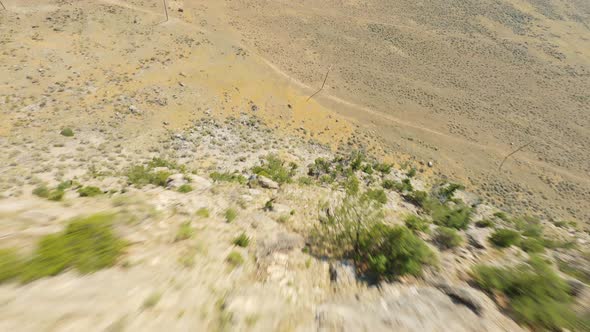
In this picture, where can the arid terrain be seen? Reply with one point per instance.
(173, 174)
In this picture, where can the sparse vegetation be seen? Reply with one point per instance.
(274, 169)
(202, 212)
(504, 238)
(185, 188)
(152, 300)
(228, 177)
(230, 215)
(484, 223)
(417, 224)
(67, 132)
(532, 245)
(140, 176)
(241, 240)
(185, 232)
(235, 259)
(447, 238)
(89, 191)
(377, 195)
(50, 194)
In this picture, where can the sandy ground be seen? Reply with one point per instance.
(461, 89)
(462, 83)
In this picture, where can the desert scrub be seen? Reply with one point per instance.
(418, 198)
(447, 238)
(241, 240)
(67, 132)
(536, 295)
(89, 191)
(151, 300)
(235, 259)
(87, 244)
(504, 238)
(273, 168)
(11, 264)
(185, 232)
(356, 230)
(228, 177)
(457, 217)
(202, 212)
(230, 215)
(377, 195)
(390, 252)
(185, 188)
(484, 223)
(140, 176)
(417, 224)
(50, 194)
(446, 192)
(532, 245)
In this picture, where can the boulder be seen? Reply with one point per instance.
(267, 183)
(174, 181)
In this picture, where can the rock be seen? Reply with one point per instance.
(279, 242)
(174, 181)
(267, 183)
(408, 308)
(198, 182)
(463, 295)
(133, 109)
(430, 164)
(478, 237)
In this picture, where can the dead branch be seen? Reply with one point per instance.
(3, 8)
(512, 153)
(325, 79)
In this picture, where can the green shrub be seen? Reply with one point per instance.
(305, 181)
(235, 259)
(417, 198)
(203, 212)
(50, 194)
(445, 193)
(65, 185)
(273, 168)
(87, 244)
(537, 296)
(151, 300)
(484, 223)
(532, 245)
(457, 217)
(326, 179)
(230, 215)
(241, 240)
(389, 252)
(502, 216)
(356, 160)
(185, 188)
(417, 224)
(185, 232)
(67, 132)
(383, 168)
(319, 167)
(352, 185)
(89, 191)
(41, 191)
(142, 175)
(228, 177)
(573, 271)
(447, 238)
(160, 162)
(368, 169)
(11, 265)
(388, 184)
(529, 226)
(504, 238)
(404, 186)
(377, 195)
